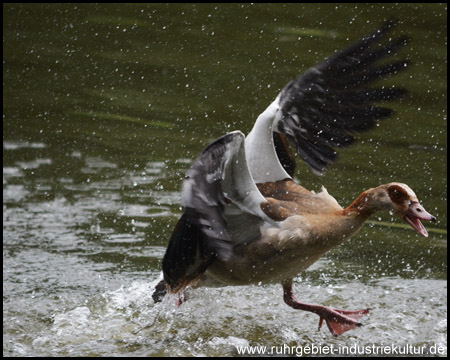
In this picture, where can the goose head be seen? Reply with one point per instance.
(400, 200)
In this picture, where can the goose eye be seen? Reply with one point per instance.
(397, 194)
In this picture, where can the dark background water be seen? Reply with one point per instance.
(105, 107)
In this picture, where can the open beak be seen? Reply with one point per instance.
(415, 213)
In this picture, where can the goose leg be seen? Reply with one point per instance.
(183, 296)
(338, 321)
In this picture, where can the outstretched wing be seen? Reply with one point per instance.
(322, 109)
(218, 178)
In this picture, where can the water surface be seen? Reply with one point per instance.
(106, 106)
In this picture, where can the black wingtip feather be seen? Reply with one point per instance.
(160, 291)
(187, 255)
(332, 100)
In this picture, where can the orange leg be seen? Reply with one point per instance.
(338, 321)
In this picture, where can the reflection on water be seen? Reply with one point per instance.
(104, 109)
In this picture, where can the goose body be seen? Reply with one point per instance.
(307, 226)
(246, 221)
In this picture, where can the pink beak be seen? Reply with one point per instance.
(416, 212)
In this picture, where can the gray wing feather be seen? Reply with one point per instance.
(222, 208)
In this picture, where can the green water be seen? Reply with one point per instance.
(105, 107)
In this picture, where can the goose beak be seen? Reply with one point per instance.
(415, 213)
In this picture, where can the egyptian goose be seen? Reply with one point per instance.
(247, 222)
